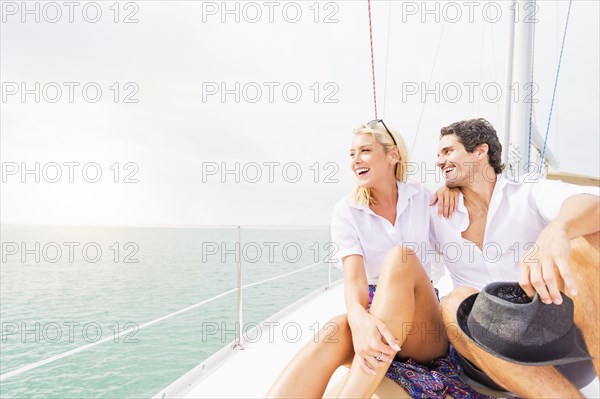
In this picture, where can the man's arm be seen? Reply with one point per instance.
(447, 200)
(579, 215)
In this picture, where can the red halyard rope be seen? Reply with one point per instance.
(372, 59)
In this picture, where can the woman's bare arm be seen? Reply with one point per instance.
(356, 287)
(367, 330)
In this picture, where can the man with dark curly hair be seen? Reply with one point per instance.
(543, 235)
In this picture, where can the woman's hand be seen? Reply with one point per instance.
(447, 200)
(372, 340)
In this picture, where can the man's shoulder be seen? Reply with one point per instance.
(524, 185)
(538, 185)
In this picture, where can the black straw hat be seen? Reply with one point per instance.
(505, 322)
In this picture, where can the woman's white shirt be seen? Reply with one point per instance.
(357, 230)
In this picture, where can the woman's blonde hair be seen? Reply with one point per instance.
(362, 195)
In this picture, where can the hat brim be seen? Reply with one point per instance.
(577, 354)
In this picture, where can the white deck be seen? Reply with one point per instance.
(249, 373)
(226, 373)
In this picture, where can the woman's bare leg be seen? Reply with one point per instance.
(406, 302)
(309, 372)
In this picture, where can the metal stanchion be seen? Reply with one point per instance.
(239, 343)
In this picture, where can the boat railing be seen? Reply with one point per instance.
(238, 344)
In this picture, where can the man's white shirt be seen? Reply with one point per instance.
(517, 213)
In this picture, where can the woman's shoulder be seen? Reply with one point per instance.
(341, 205)
(344, 211)
(345, 204)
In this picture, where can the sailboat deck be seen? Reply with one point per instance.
(249, 373)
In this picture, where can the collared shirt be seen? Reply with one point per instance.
(357, 230)
(517, 213)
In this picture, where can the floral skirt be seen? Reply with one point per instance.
(435, 380)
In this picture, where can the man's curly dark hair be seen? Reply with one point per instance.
(474, 132)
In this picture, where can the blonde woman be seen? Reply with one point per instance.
(394, 323)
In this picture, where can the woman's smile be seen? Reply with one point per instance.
(361, 172)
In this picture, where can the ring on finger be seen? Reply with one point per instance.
(379, 357)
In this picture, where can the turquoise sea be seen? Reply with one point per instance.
(65, 287)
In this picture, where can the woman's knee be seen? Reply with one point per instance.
(400, 261)
(402, 254)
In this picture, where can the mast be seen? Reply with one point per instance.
(508, 78)
(521, 89)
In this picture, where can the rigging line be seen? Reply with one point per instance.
(387, 57)
(556, 148)
(494, 70)
(372, 58)
(282, 275)
(51, 359)
(531, 100)
(437, 50)
(481, 67)
(562, 47)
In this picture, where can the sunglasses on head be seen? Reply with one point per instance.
(374, 123)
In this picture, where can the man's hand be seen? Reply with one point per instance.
(447, 200)
(539, 266)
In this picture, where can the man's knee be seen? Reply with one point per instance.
(593, 240)
(450, 305)
(585, 246)
(452, 301)
(585, 256)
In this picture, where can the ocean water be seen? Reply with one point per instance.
(65, 287)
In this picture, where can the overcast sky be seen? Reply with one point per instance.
(173, 148)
